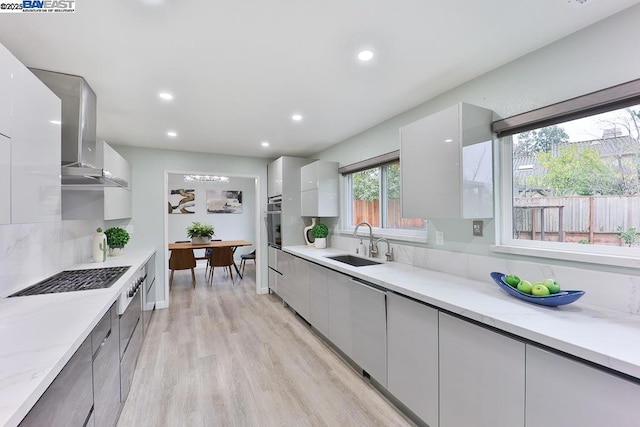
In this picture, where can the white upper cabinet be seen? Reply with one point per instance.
(319, 189)
(5, 179)
(446, 164)
(6, 61)
(117, 201)
(35, 150)
(274, 178)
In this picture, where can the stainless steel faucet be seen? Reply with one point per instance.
(373, 249)
(389, 253)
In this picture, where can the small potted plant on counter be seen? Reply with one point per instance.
(117, 237)
(200, 233)
(320, 232)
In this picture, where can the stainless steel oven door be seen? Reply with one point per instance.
(274, 235)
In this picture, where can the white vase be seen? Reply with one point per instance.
(99, 246)
(116, 251)
(320, 242)
(307, 232)
(200, 240)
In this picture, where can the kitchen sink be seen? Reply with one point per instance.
(353, 260)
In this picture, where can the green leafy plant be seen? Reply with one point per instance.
(628, 236)
(198, 229)
(320, 231)
(117, 237)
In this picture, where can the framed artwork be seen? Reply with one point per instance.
(182, 201)
(220, 201)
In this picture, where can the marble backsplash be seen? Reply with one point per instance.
(619, 292)
(31, 252)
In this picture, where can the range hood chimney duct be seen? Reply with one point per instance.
(82, 163)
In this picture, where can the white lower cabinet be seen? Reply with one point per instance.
(482, 376)
(5, 179)
(339, 297)
(299, 283)
(369, 329)
(563, 392)
(358, 323)
(319, 299)
(285, 289)
(412, 338)
(273, 280)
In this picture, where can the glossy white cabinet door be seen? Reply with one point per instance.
(412, 342)
(300, 286)
(285, 287)
(35, 151)
(563, 392)
(5, 179)
(274, 178)
(319, 189)
(7, 63)
(445, 173)
(117, 203)
(340, 332)
(319, 298)
(369, 329)
(482, 376)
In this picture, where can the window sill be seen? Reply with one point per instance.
(630, 260)
(408, 236)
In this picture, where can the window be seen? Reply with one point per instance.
(574, 184)
(373, 195)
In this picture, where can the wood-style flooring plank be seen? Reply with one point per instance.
(223, 356)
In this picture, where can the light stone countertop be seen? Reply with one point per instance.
(40, 333)
(604, 337)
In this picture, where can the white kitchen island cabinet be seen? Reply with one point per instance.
(482, 376)
(446, 164)
(35, 150)
(563, 392)
(412, 349)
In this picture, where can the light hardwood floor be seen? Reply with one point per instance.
(224, 356)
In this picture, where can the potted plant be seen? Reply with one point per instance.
(200, 233)
(320, 232)
(117, 237)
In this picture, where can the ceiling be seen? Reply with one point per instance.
(238, 70)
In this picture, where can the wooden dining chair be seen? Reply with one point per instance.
(182, 259)
(221, 257)
(245, 257)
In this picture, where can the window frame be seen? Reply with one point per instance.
(620, 96)
(401, 234)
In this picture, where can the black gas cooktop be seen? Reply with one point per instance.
(75, 280)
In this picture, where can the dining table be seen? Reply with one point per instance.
(233, 244)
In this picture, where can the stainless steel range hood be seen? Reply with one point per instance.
(82, 162)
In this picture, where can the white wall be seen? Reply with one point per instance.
(228, 226)
(148, 170)
(32, 252)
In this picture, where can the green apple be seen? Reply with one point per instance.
(512, 280)
(539, 290)
(553, 285)
(525, 286)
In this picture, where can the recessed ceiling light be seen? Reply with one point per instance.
(172, 133)
(296, 117)
(365, 55)
(448, 140)
(264, 143)
(166, 96)
(55, 122)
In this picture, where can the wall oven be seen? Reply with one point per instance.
(274, 221)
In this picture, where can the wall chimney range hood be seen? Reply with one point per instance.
(82, 159)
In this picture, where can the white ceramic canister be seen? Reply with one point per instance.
(99, 246)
